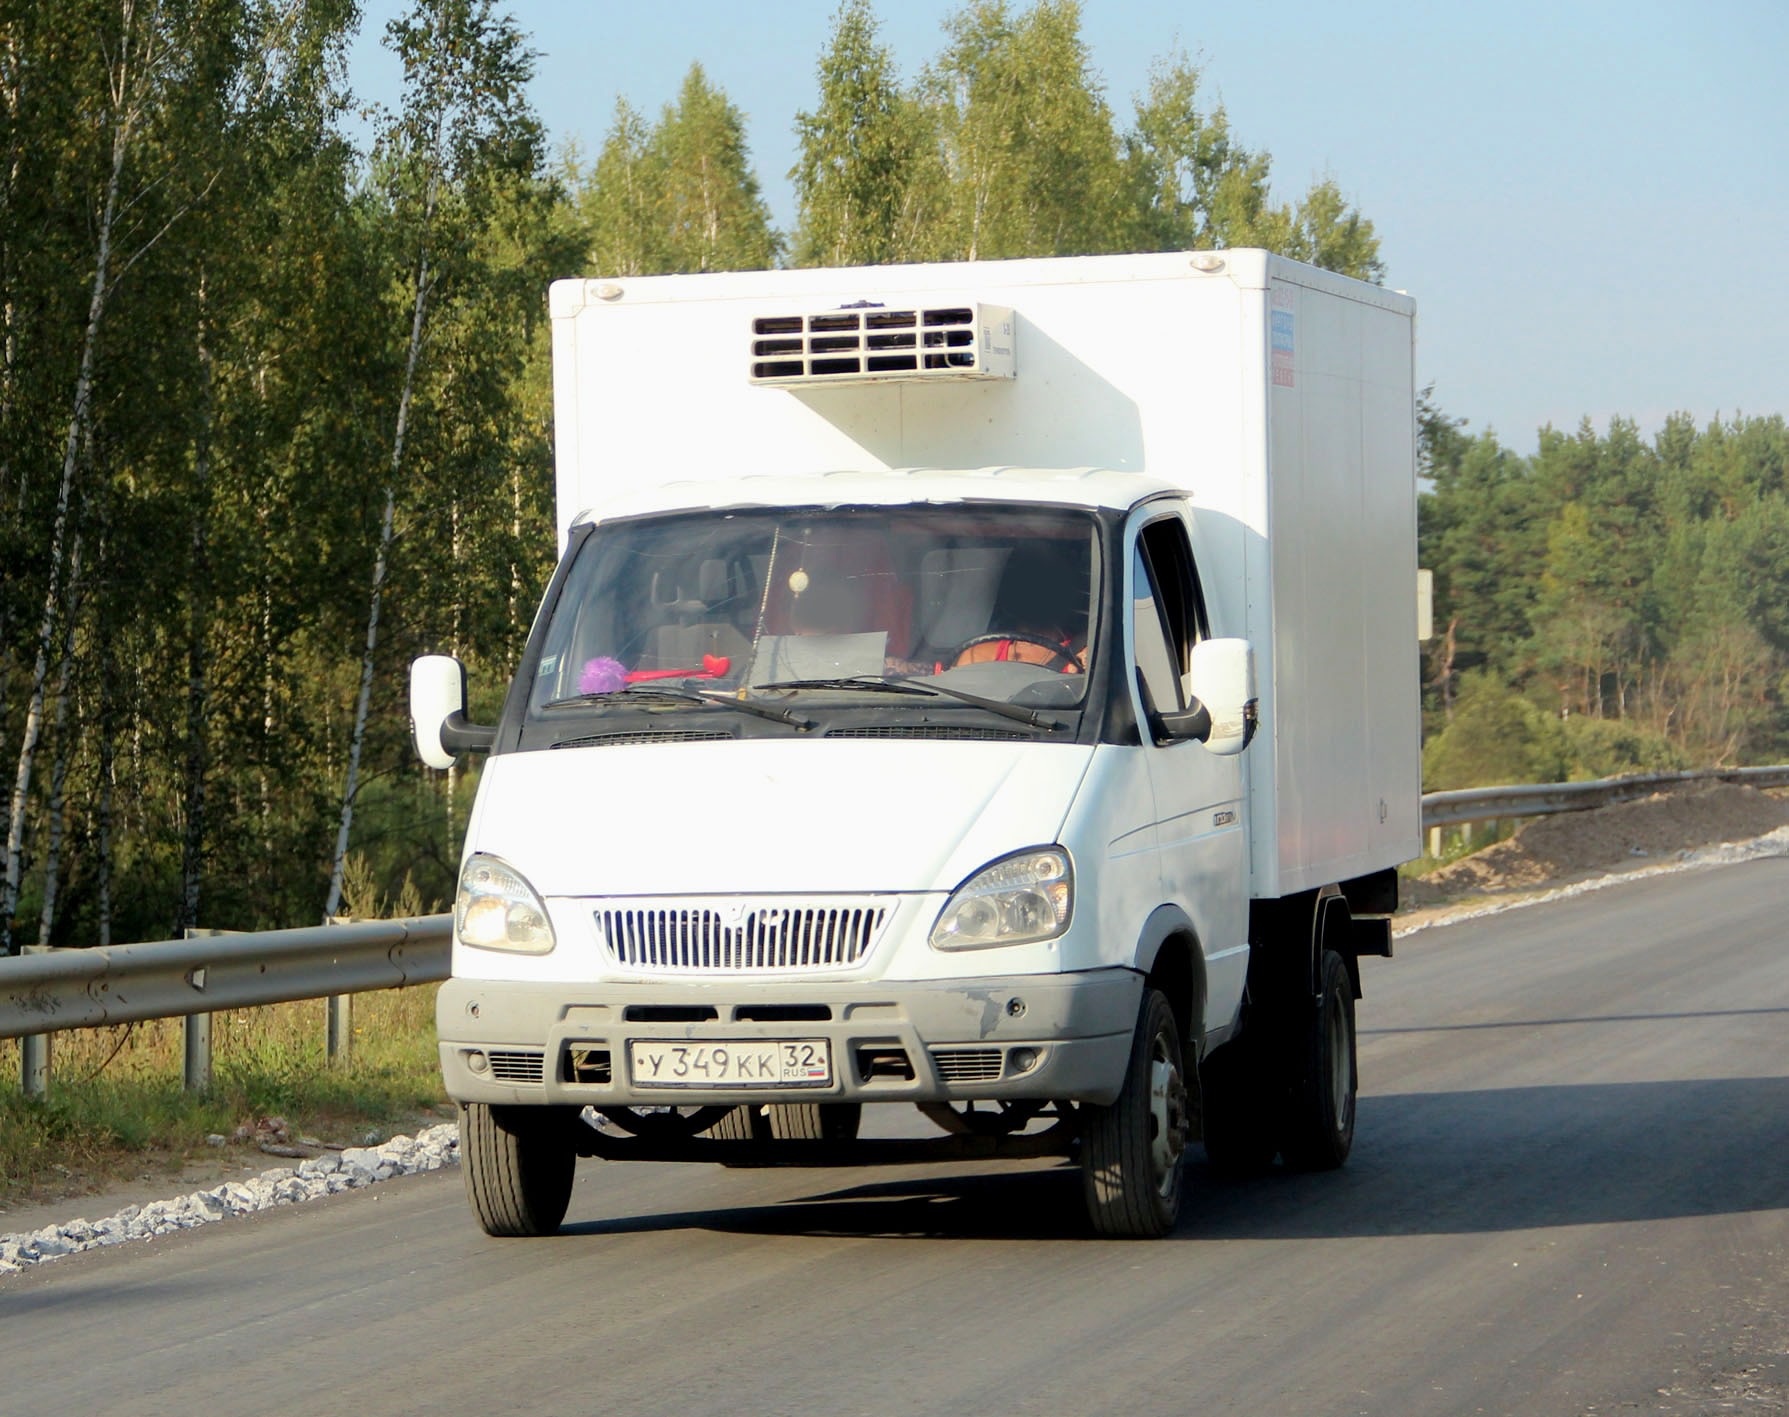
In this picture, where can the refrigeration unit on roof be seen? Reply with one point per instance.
(872, 343)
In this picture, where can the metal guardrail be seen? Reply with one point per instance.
(87, 988)
(1489, 804)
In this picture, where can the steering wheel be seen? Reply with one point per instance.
(1063, 661)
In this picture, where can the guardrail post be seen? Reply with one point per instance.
(196, 1028)
(34, 1065)
(338, 1029)
(198, 1052)
(34, 1054)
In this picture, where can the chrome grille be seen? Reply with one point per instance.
(743, 937)
(518, 1065)
(967, 1064)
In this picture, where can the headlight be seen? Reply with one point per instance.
(496, 909)
(1017, 900)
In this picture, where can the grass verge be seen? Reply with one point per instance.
(117, 1109)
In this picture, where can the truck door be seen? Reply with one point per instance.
(1200, 842)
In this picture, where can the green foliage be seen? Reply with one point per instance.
(1030, 157)
(1496, 737)
(1615, 583)
(863, 154)
(680, 196)
(1607, 747)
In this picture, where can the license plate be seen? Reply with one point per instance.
(803, 1062)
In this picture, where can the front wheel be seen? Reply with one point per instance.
(1319, 1125)
(1133, 1152)
(519, 1163)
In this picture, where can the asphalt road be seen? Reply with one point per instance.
(1569, 1195)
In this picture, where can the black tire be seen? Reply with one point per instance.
(815, 1121)
(519, 1163)
(1318, 1131)
(741, 1124)
(1236, 1105)
(1133, 1153)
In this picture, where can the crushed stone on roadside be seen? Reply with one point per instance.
(429, 1150)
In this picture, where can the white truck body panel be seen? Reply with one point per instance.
(1276, 396)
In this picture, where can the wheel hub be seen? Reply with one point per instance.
(1168, 1119)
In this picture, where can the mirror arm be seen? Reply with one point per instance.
(458, 735)
(1192, 724)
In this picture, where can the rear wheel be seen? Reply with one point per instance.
(741, 1124)
(1319, 1122)
(519, 1163)
(815, 1121)
(1133, 1152)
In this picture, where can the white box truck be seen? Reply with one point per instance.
(987, 686)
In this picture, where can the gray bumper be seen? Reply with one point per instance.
(1025, 1036)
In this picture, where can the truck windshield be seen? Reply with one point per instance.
(979, 602)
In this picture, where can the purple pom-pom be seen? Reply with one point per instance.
(602, 676)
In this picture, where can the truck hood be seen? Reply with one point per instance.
(751, 816)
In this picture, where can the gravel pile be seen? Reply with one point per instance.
(1771, 844)
(1573, 846)
(429, 1150)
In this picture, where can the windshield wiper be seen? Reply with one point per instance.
(682, 696)
(901, 684)
(1005, 710)
(871, 685)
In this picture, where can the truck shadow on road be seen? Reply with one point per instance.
(1496, 1159)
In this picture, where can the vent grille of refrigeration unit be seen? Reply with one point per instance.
(875, 342)
(760, 937)
(967, 1064)
(518, 1065)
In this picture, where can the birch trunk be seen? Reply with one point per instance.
(59, 764)
(108, 728)
(380, 563)
(418, 319)
(192, 853)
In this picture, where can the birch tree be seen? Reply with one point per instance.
(142, 66)
(715, 218)
(867, 179)
(1031, 157)
(465, 130)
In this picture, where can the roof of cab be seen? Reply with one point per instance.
(1072, 487)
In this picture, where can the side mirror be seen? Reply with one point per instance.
(438, 720)
(1221, 679)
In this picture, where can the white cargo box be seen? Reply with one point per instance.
(1278, 395)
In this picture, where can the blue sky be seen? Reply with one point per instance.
(1590, 200)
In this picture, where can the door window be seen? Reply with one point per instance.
(1168, 612)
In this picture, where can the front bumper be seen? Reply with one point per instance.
(1033, 1036)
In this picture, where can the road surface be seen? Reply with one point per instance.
(1569, 1195)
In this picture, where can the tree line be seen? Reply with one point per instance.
(275, 404)
(1609, 605)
